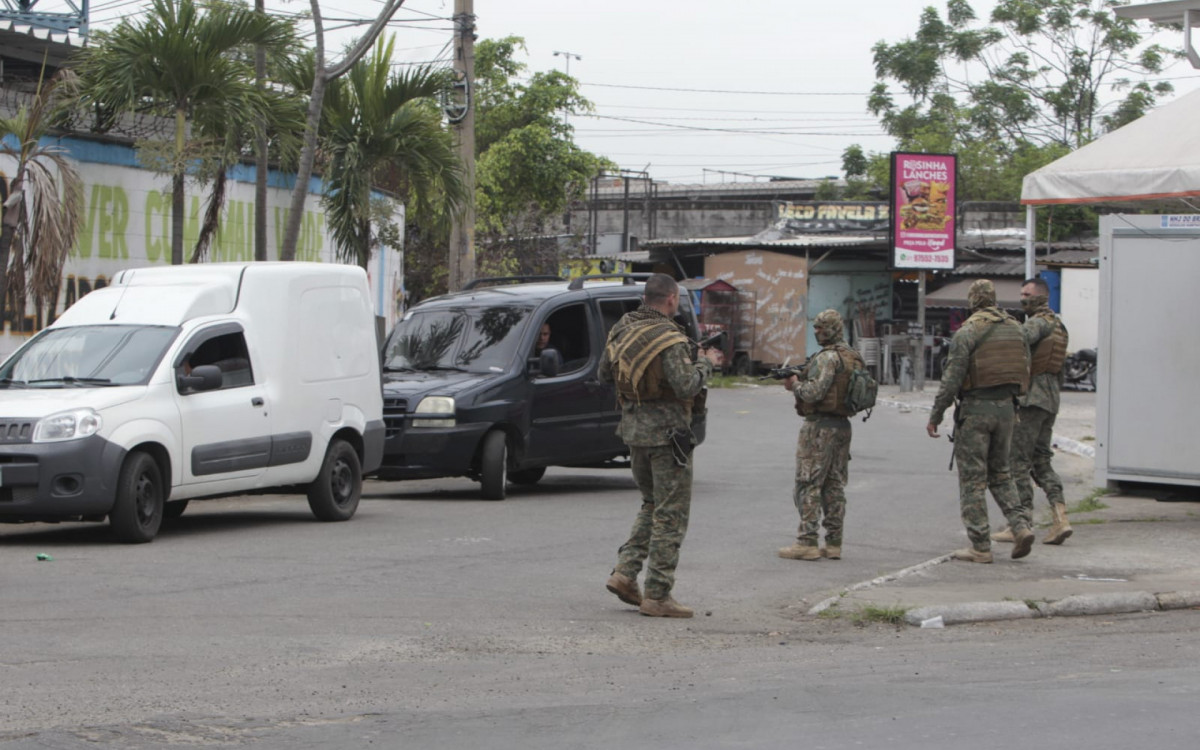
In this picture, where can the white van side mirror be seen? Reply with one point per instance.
(202, 378)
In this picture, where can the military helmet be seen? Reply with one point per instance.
(981, 294)
(828, 326)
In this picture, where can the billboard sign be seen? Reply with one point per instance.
(923, 210)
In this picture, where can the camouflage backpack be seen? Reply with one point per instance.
(861, 393)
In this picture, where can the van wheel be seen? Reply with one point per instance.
(175, 509)
(137, 512)
(334, 494)
(741, 365)
(527, 476)
(493, 465)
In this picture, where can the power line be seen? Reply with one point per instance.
(744, 131)
(726, 91)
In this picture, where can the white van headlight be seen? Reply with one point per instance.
(434, 411)
(67, 425)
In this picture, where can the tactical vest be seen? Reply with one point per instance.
(1000, 357)
(1051, 352)
(834, 401)
(653, 384)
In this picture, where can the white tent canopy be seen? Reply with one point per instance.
(1156, 156)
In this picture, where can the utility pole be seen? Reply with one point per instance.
(462, 235)
(568, 56)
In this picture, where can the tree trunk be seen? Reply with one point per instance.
(11, 218)
(177, 196)
(291, 235)
(177, 220)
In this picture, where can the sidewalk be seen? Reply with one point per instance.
(1135, 554)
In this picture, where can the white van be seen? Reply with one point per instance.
(194, 381)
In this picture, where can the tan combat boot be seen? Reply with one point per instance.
(971, 555)
(800, 551)
(625, 588)
(1004, 535)
(1061, 529)
(667, 607)
(1023, 542)
(832, 551)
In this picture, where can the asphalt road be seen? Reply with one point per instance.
(438, 619)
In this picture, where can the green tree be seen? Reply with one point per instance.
(1013, 94)
(42, 203)
(193, 64)
(384, 129)
(528, 171)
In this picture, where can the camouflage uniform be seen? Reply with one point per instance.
(646, 427)
(1031, 451)
(823, 448)
(983, 424)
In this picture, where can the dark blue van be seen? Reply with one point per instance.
(468, 391)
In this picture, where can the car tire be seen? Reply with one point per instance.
(175, 509)
(527, 476)
(137, 512)
(741, 365)
(334, 494)
(493, 465)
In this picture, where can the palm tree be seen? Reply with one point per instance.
(43, 205)
(384, 129)
(194, 65)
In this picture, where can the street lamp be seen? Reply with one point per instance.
(567, 55)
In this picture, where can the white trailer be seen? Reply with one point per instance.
(1149, 349)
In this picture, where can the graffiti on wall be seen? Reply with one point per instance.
(127, 223)
(779, 283)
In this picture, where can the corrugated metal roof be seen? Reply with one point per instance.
(808, 240)
(1071, 258)
(992, 268)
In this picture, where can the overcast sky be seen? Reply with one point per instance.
(692, 91)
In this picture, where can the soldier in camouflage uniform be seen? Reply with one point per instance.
(649, 358)
(987, 368)
(823, 449)
(1031, 452)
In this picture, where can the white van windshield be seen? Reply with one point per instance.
(472, 340)
(84, 356)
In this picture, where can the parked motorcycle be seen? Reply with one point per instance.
(1080, 370)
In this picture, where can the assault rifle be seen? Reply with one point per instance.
(785, 371)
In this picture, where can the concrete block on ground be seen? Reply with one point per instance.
(953, 614)
(1101, 604)
(1179, 600)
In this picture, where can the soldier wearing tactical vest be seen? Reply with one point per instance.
(649, 359)
(987, 369)
(1031, 452)
(823, 448)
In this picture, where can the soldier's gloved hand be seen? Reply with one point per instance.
(931, 428)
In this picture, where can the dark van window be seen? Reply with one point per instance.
(472, 339)
(612, 310)
(228, 352)
(569, 334)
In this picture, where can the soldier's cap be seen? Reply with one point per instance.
(828, 320)
(981, 294)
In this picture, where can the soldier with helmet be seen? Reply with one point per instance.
(987, 369)
(823, 448)
(1031, 452)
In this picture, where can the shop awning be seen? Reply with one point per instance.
(954, 294)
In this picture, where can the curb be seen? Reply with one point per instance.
(1071, 606)
(1065, 444)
